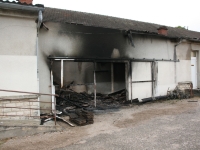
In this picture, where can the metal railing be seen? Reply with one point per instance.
(22, 100)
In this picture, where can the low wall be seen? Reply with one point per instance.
(19, 108)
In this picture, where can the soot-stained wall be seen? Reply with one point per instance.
(92, 42)
(82, 75)
(79, 41)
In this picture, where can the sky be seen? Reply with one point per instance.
(169, 12)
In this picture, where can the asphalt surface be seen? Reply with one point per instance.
(168, 132)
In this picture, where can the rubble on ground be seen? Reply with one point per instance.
(69, 98)
(82, 117)
(79, 106)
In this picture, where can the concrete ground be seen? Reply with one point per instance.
(19, 128)
(172, 125)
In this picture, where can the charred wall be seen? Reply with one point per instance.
(82, 76)
(92, 42)
(79, 41)
(82, 41)
(80, 73)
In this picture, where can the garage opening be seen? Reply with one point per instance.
(110, 77)
(89, 83)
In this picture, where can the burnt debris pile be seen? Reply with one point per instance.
(80, 106)
(69, 100)
(82, 117)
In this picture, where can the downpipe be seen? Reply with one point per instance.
(175, 58)
(40, 19)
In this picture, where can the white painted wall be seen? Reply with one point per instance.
(183, 71)
(18, 60)
(169, 73)
(18, 73)
(151, 47)
(17, 36)
(195, 46)
(166, 77)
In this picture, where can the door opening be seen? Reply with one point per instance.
(194, 72)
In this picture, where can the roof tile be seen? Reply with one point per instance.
(88, 19)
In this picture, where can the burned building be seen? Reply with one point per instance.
(105, 54)
(99, 54)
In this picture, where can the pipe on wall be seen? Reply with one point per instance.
(40, 19)
(175, 59)
(175, 56)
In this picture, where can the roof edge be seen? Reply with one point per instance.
(17, 6)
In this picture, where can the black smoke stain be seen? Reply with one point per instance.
(95, 42)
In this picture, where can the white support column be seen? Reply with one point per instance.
(52, 92)
(131, 84)
(53, 99)
(112, 77)
(61, 73)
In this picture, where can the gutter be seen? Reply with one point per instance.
(194, 40)
(21, 7)
(40, 19)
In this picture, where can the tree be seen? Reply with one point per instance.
(180, 27)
